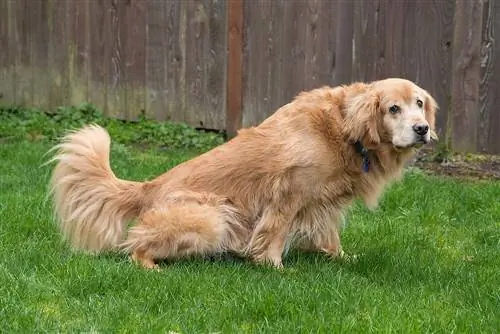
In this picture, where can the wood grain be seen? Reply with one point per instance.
(489, 116)
(58, 21)
(292, 50)
(133, 37)
(41, 78)
(100, 53)
(78, 50)
(7, 56)
(234, 67)
(156, 56)
(343, 47)
(466, 64)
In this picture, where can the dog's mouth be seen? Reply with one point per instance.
(416, 144)
(420, 142)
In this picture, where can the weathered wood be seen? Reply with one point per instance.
(291, 51)
(343, 47)
(7, 58)
(40, 54)
(78, 50)
(116, 84)
(366, 40)
(466, 74)
(489, 116)
(205, 62)
(100, 53)
(133, 38)
(234, 67)
(156, 58)
(22, 35)
(59, 91)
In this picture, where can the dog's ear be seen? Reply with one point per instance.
(430, 109)
(362, 119)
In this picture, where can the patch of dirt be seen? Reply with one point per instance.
(462, 166)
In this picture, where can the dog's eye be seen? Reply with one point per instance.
(420, 103)
(394, 109)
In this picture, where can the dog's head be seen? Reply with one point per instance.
(393, 111)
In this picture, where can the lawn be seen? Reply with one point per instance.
(429, 259)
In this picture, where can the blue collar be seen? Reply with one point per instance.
(364, 154)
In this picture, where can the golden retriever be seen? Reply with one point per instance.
(283, 183)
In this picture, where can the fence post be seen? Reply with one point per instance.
(234, 67)
(466, 74)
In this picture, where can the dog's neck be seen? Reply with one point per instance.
(375, 157)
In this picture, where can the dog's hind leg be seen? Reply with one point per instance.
(269, 237)
(182, 230)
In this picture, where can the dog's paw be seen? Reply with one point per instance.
(347, 258)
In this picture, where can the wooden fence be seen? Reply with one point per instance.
(225, 64)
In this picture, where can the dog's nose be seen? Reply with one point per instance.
(420, 129)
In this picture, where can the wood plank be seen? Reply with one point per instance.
(59, 90)
(234, 67)
(132, 15)
(100, 53)
(204, 63)
(22, 35)
(156, 55)
(216, 63)
(258, 45)
(325, 30)
(489, 117)
(466, 74)
(78, 50)
(343, 46)
(116, 81)
(176, 66)
(7, 59)
(40, 54)
(366, 40)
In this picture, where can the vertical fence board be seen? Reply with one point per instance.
(99, 53)
(204, 64)
(133, 38)
(343, 45)
(116, 84)
(174, 62)
(466, 74)
(156, 50)
(13, 49)
(6, 56)
(489, 124)
(234, 92)
(365, 55)
(22, 33)
(78, 50)
(39, 54)
(59, 91)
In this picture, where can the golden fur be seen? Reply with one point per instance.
(285, 182)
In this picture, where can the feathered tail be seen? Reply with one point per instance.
(91, 204)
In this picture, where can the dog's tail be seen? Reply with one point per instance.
(91, 204)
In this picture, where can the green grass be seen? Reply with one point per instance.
(429, 261)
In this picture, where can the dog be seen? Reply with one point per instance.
(284, 183)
